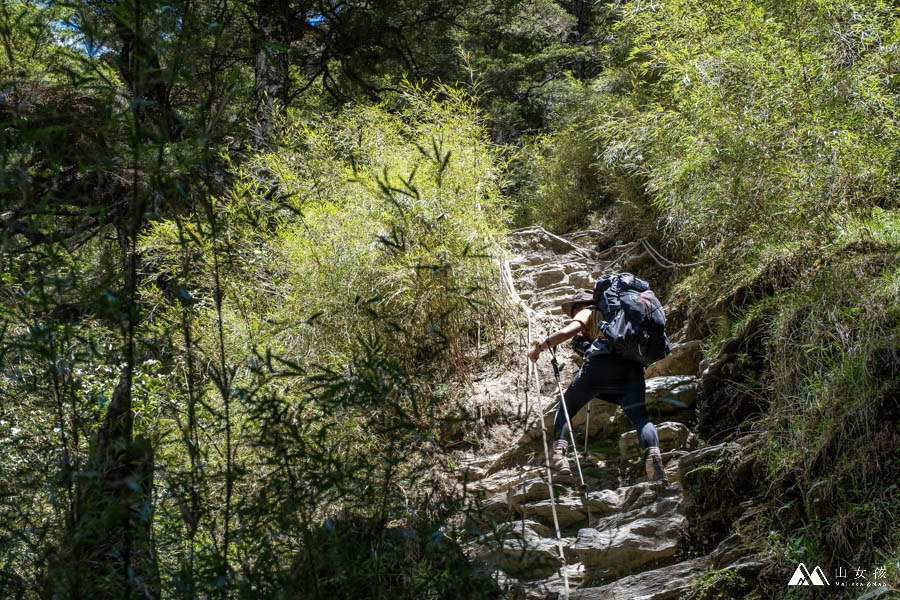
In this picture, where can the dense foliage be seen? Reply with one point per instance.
(249, 249)
(761, 139)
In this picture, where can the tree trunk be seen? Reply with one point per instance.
(270, 71)
(109, 553)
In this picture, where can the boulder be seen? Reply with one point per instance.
(644, 527)
(612, 549)
(672, 393)
(501, 481)
(665, 583)
(601, 412)
(672, 436)
(496, 508)
(684, 360)
(581, 280)
(629, 498)
(728, 346)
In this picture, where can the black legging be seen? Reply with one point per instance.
(614, 380)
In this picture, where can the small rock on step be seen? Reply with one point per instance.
(665, 583)
(525, 262)
(672, 436)
(550, 304)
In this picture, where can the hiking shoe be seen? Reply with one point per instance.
(559, 463)
(654, 466)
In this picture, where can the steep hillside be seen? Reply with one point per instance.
(627, 537)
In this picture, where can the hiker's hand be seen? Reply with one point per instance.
(534, 353)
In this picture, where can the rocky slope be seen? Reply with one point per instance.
(627, 537)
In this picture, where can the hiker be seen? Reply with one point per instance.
(606, 376)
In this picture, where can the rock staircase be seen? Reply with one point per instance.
(626, 540)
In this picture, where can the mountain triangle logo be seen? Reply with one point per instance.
(802, 576)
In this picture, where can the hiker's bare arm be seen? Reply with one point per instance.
(556, 338)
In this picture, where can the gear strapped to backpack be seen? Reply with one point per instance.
(634, 322)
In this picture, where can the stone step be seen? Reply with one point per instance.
(537, 240)
(503, 480)
(672, 436)
(534, 489)
(628, 541)
(665, 583)
(630, 497)
(518, 551)
(554, 586)
(569, 511)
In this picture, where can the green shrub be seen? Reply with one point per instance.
(765, 121)
(401, 210)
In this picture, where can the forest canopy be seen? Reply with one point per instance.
(253, 252)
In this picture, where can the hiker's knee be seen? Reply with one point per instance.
(647, 435)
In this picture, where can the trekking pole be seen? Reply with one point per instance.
(562, 555)
(587, 428)
(562, 400)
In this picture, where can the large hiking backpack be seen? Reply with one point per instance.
(634, 322)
